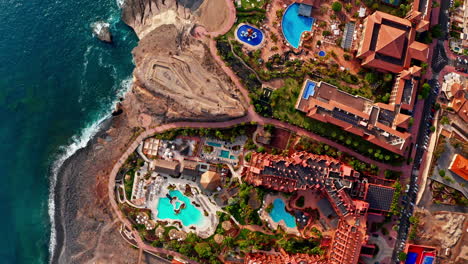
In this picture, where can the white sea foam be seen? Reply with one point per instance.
(120, 3)
(77, 142)
(98, 26)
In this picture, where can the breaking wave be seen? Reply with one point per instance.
(78, 141)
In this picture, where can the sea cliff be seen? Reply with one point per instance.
(87, 228)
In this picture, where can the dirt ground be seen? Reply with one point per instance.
(444, 230)
(212, 14)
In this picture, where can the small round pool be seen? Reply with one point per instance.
(293, 25)
(249, 35)
(322, 53)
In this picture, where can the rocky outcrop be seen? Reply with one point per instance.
(175, 79)
(146, 15)
(173, 67)
(101, 30)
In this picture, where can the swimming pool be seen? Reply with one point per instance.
(309, 90)
(213, 144)
(322, 53)
(293, 25)
(428, 260)
(279, 213)
(249, 35)
(224, 154)
(190, 215)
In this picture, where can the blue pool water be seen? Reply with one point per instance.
(294, 25)
(224, 154)
(232, 157)
(190, 215)
(253, 38)
(411, 258)
(309, 90)
(428, 260)
(393, 3)
(279, 213)
(322, 53)
(213, 144)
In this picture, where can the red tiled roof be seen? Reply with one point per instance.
(419, 51)
(459, 166)
(390, 41)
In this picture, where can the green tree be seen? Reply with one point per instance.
(445, 120)
(436, 31)
(203, 250)
(402, 256)
(337, 6)
(371, 77)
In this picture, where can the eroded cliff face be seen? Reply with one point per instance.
(174, 70)
(146, 15)
(175, 79)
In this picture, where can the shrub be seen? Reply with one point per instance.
(326, 33)
(336, 6)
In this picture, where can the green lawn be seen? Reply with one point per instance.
(249, 4)
(283, 102)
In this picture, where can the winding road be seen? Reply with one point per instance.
(251, 116)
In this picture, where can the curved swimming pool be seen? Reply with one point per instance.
(249, 35)
(279, 213)
(190, 215)
(293, 25)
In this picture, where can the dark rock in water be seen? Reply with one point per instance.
(102, 31)
(118, 110)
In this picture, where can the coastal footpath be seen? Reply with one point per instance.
(87, 227)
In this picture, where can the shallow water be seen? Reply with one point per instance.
(56, 82)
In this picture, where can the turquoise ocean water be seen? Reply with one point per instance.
(56, 82)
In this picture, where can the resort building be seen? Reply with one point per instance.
(459, 18)
(379, 197)
(382, 124)
(417, 254)
(210, 180)
(191, 169)
(388, 42)
(305, 171)
(282, 257)
(459, 166)
(167, 167)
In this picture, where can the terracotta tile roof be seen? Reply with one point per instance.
(463, 111)
(386, 43)
(459, 166)
(455, 88)
(390, 41)
(419, 51)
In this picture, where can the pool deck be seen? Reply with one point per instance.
(208, 224)
(247, 44)
(269, 198)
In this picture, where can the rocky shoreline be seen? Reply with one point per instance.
(86, 229)
(86, 226)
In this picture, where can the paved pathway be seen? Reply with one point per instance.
(251, 116)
